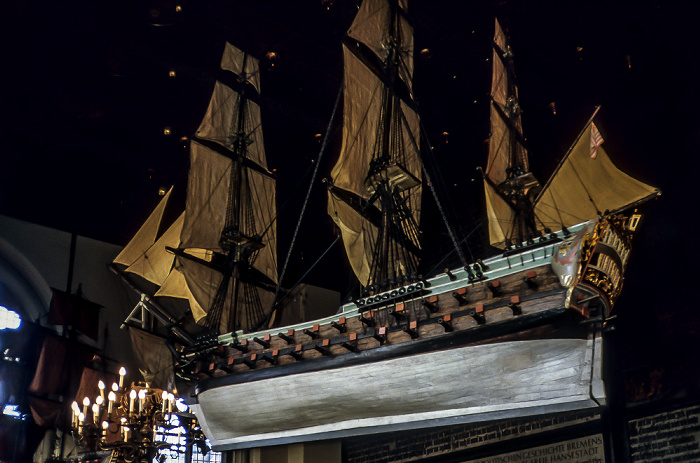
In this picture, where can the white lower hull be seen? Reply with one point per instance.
(459, 385)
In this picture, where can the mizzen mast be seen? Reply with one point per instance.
(510, 186)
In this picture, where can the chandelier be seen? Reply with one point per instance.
(136, 424)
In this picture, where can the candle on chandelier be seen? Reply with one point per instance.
(115, 387)
(171, 399)
(122, 429)
(132, 398)
(105, 425)
(142, 400)
(101, 385)
(112, 397)
(95, 413)
(165, 400)
(81, 420)
(122, 373)
(86, 404)
(76, 413)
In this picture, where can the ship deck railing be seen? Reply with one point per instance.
(493, 268)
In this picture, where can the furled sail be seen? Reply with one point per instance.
(226, 260)
(587, 185)
(375, 191)
(510, 187)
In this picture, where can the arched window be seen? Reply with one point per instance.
(9, 319)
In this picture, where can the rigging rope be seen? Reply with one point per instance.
(309, 269)
(425, 171)
(437, 200)
(308, 194)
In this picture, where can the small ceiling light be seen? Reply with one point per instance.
(172, 73)
(161, 191)
(167, 131)
(272, 56)
(426, 53)
(178, 8)
(183, 138)
(553, 107)
(629, 61)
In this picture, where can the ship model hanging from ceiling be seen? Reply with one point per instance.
(517, 334)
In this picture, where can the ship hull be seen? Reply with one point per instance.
(490, 341)
(465, 384)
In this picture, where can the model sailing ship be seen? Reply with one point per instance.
(492, 339)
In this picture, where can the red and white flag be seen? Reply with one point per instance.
(596, 140)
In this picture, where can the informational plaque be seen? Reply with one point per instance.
(587, 449)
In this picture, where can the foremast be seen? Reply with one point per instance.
(510, 186)
(226, 262)
(375, 188)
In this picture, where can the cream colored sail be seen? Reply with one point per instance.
(505, 147)
(145, 237)
(371, 34)
(585, 187)
(501, 216)
(509, 185)
(156, 263)
(228, 183)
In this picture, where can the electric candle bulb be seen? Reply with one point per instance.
(171, 399)
(142, 399)
(95, 413)
(122, 373)
(115, 387)
(112, 397)
(132, 397)
(105, 425)
(101, 385)
(76, 412)
(86, 404)
(81, 420)
(100, 400)
(165, 400)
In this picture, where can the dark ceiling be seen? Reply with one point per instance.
(87, 94)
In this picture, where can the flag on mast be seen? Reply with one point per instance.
(596, 140)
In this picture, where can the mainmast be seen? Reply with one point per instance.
(510, 186)
(375, 189)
